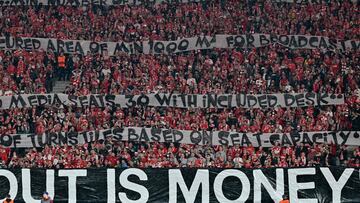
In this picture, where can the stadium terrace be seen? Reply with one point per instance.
(179, 101)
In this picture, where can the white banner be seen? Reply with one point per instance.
(174, 100)
(180, 45)
(88, 2)
(138, 134)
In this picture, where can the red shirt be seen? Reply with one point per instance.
(112, 160)
(4, 155)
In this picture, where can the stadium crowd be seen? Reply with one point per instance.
(67, 119)
(270, 69)
(157, 155)
(170, 21)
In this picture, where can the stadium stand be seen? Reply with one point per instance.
(272, 69)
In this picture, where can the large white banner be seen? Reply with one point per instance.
(174, 100)
(88, 2)
(139, 134)
(76, 184)
(180, 45)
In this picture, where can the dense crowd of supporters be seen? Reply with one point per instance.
(157, 155)
(264, 70)
(270, 69)
(336, 19)
(66, 119)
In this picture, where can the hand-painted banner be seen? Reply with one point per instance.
(180, 45)
(174, 100)
(88, 2)
(118, 2)
(154, 185)
(139, 134)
